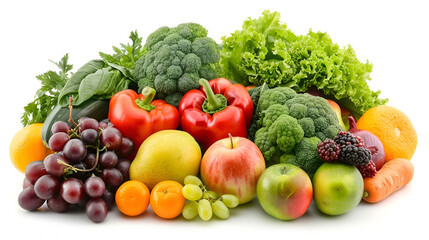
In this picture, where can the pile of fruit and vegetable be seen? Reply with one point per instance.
(192, 127)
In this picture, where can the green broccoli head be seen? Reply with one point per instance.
(176, 59)
(291, 126)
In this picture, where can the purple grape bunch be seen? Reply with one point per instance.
(89, 164)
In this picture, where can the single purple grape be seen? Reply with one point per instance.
(74, 150)
(94, 187)
(88, 123)
(126, 149)
(46, 186)
(112, 177)
(108, 159)
(96, 210)
(60, 126)
(55, 165)
(28, 199)
(111, 138)
(57, 204)
(34, 171)
(58, 141)
(72, 190)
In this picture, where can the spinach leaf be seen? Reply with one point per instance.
(102, 84)
(71, 89)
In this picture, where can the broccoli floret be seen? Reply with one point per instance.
(206, 49)
(272, 113)
(176, 59)
(285, 132)
(291, 125)
(272, 96)
(269, 150)
(306, 156)
(307, 125)
(308, 107)
(288, 158)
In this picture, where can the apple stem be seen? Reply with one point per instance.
(284, 170)
(232, 142)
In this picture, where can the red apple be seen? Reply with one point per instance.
(233, 165)
(285, 191)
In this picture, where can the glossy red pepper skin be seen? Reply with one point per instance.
(137, 123)
(207, 128)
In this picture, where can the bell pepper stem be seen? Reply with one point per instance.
(149, 95)
(213, 103)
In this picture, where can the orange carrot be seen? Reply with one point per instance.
(391, 177)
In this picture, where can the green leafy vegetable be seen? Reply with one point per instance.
(47, 96)
(102, 78)
(71, 88)
(266, 51)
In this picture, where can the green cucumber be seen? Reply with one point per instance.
(97, 109)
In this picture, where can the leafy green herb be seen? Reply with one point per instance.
(125, 57)
(47, 96)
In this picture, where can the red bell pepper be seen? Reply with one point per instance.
(137, 116)
(214, 111)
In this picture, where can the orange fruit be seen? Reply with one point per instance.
(27, 146)
(132, 198)
(166, 199)
(393, 128)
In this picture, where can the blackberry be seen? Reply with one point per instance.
(367, 170)
(328, 150)
(344, 139)
(355, 155)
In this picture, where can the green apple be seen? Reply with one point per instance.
(284, 191)
(338, 188)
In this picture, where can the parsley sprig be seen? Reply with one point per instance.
(47, 96)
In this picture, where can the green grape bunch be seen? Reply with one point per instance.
(205, 203)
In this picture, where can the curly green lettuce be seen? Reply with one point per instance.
(266, 51)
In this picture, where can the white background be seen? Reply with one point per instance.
(393, 35)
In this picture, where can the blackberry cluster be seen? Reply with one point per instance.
(345, 147)
(355, 155)
(328, 150)
(344, 138)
